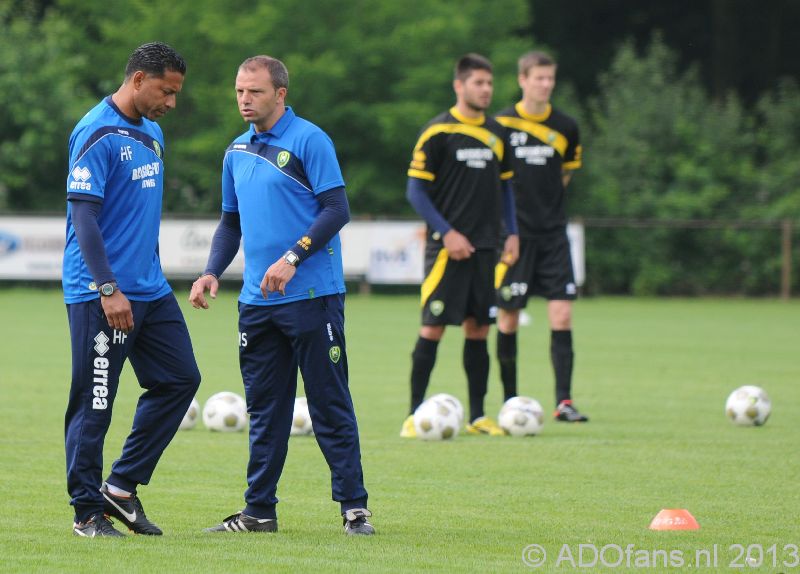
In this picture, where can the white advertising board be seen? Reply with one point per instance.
(379, 252)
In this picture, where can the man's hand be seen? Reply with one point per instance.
(197, 297)
(511, 250)
(457, 245)
(277, 277)
(118, 311)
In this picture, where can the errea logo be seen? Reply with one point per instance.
(80, 177)
(101, 348)
(81, 173)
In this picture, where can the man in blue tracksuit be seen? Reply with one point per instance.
(283, 195)
(119, 304)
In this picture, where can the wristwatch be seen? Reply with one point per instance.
(291, 258)
(107, 289)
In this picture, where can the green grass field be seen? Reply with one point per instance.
(653, 374)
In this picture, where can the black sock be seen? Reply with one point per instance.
(562, 357)
(507, 357)
(422, 360)
(476, 365)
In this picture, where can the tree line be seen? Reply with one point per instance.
(658, 143)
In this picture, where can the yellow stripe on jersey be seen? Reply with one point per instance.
(506, 175)
(575, 163)
(500, 271)
(483, 135)
(434, 277)
(541, 132)
(419, 174)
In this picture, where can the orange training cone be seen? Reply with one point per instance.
(674, 519)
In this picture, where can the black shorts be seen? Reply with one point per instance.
(544, 269)
(454, 290)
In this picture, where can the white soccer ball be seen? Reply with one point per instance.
(190, 418)
(301, 418)
(748, 406)
(436, 419)
(225, 412)
(453, 402)
(521, 416)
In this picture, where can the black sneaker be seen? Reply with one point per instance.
(129, 511)
(356, 523)
(567, 412)
(240, 522)
(97, 525)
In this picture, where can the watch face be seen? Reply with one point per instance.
(107, 289)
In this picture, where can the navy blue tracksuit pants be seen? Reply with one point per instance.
(273, 341)
(160, 352)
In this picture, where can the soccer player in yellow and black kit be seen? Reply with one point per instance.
(459, 181)
(545, 149)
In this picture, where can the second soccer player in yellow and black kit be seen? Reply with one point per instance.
(545, 149)
(459, 182)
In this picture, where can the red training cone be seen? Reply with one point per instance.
(674, 519)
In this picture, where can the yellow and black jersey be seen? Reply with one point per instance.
(541, 148)
(465, 160)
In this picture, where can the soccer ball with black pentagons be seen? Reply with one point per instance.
(436, 419)
(521, 416)
(301, 418)
(225, 412)
(190, 418)
(748, 406)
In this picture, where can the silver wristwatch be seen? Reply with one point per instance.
(291, 258)
(107, 289)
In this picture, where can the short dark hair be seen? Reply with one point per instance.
(277, 70)
(155, 58)
(468, 63)
(534, 58)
